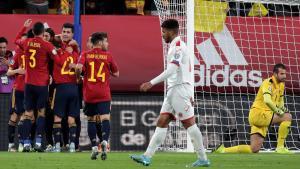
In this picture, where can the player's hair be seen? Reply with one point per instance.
(38, 28)
(98, 36)
(3, 40)
(69, 25)
(51, 32)
(171, 24)
(29, 34)
(277, 67)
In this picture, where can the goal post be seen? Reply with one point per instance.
(235, 44)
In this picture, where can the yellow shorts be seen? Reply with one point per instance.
(259, 121)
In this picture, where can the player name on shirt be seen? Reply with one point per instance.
(96, 56)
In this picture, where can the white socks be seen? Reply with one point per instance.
(197, 141)
(156, 140)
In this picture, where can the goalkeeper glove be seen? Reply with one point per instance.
(280, 112)
(284, 109)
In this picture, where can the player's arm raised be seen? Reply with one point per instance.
(18, 40)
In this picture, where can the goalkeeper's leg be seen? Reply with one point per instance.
(256, 142)
(285, 123)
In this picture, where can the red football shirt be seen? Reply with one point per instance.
(64, 45)
(19, 61)
(97, 67)
(37, 52)
(61, 71)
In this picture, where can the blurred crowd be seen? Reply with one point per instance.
(126, 7)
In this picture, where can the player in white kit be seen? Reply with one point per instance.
(179, 100)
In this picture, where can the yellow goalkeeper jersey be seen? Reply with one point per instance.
(272, 87)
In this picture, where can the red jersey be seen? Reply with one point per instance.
(97, 67)
(61, 71)
(37, 52)
(64, 45)
(19, 61)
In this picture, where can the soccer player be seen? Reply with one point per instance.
(38, 53)
(89, 46)
(268, 108)
(66, 38)
(98, 65)
(179, 100)
(16, 69)
(49, 36)
(66, 98)
(65, 42)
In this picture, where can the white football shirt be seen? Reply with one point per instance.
(178, 54)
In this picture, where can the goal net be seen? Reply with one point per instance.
(236, 44)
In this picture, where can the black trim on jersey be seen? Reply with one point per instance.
(258, 134)
(271, 80)
(267, 93)
(271, 119)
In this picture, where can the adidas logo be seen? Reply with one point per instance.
(235, 72)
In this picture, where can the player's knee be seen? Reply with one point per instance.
(288, 117)
(91, 118)
(71, 120)
(13, 117)
(41, 112)
(12, 123)
(22, 117)
(98, 118)
(188, 122)
(57, 118)
(105, 117)
(57, 125)
(255, 149)
(28, 115)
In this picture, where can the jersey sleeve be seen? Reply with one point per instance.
(53, 54)
(113, 66)
(81, 60)
(177, 56)
(18, 40)
(267, 87)
(281, 101)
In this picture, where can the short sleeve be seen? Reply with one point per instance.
(113, 65)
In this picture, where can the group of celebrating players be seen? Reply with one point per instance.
(46, 62)
(32, 69)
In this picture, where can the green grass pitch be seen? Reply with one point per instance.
(121, 160)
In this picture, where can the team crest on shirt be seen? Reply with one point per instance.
(270, 89)
(11, 62)
(177, 55)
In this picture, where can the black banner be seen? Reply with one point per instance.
(221, 119)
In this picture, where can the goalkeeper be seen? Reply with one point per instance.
(268, 108)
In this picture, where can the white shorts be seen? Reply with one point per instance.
(179, 102)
